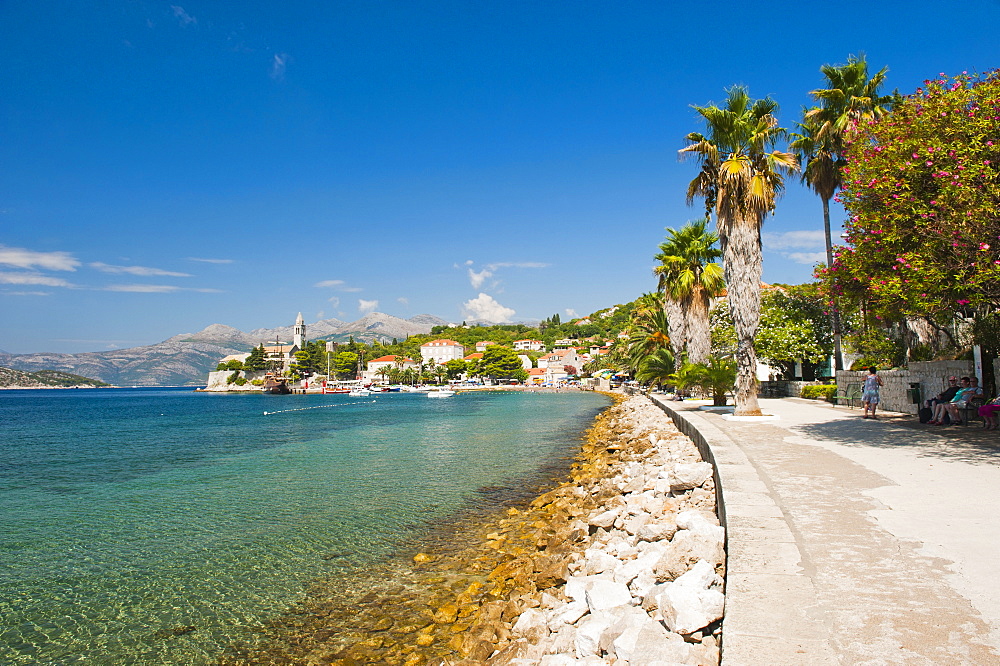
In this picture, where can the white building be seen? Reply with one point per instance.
(529, 345)
(442, 351)
(390, 361)
(481, 346)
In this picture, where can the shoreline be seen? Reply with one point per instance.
(479, 599)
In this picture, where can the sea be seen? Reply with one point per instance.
(161, 526)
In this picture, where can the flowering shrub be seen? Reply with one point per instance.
(819, 391)
(922, 191)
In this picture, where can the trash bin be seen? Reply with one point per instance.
(914, 393)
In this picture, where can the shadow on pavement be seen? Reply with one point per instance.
(969, 443)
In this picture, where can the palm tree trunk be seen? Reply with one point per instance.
(838, 354)
(677, 328)
(741, 255)
(699, 334)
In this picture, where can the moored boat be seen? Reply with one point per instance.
(275, 385)
(440, 393)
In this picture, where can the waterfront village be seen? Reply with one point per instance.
(525, 362)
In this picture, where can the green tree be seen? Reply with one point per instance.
(689, 277)
(749, 176)
(345, 364)
(455, 368)
(656, 368)
(256, 361)
(500, 363)
(922, 190)
(851, 97)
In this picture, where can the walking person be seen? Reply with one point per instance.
(869, 395)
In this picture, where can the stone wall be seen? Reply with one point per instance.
(931, 375)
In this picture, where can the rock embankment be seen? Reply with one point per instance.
(643, 583)
(621, 564)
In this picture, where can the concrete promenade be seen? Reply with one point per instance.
(854, 541)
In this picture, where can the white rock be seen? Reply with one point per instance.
(700, 523)
(588, 634)
(646, 641)
(557, 660)
(531, 619)
(568, 614)
(700, 577)
(688, 476)
(623, 619)
(576, 587)
(604, 519)
(634, 524)
(684, 550)
(687, 609)
(597, 561)
(642, 584)
(657, 530)
(563, 642)
(605, 594)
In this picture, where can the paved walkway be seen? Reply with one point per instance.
(854, 541)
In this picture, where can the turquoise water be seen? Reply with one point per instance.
(157, 526)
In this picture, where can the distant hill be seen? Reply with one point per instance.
(10, 378)
(187, 358)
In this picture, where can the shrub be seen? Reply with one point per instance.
(240, 381)
(257, 382)
(819, 391)
(232, 379)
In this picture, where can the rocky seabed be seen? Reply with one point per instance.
(622, 564)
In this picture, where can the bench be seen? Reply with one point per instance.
(851, 395)
(971, 410)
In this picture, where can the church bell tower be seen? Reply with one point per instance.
(299, 333)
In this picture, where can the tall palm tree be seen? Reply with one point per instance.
(851, 97)
(749, 177)
(648, 332)
(656, 368)
(689, 277)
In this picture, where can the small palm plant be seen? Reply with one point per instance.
(717, 377)
(656, 368)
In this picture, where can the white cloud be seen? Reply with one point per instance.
(366, 306)
(339, 285)
(571, 313)
(33, 278)
(211, 261)
(26, 293)
(136, 270)
(334, 301)
(477, 279)
(21, 258)
(182, 16)
(278, 66)
(794, 240)
(404, 301)
(485, 307)
(156, 289)
(807, 258)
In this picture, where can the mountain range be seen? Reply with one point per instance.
(187, 358)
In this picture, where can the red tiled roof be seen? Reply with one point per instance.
(441, 343)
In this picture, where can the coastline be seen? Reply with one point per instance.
(509, 588)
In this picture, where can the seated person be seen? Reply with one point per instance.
(946, 395)
(991, 414)
(940, 409)
(962, 400)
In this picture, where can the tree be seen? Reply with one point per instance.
(500, 363)
(657, 368)
(850, 98)
(455, 368)
(715, 377)
(922, 190)
(345, 364)
(689, 277)
(649, 331)
(257, 360)
(793, 327)
(748, 179)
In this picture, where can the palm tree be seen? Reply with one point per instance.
(649, 331)
(656, 368)
(851, 97)
(688, 277)
(749, 178)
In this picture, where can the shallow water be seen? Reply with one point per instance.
(160, 526)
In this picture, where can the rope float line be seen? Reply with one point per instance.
(302, 409)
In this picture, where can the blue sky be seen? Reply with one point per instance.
(169, 165)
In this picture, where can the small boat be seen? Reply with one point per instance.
(336, 389)
(275, 385)
(440, 393)
(360, 393)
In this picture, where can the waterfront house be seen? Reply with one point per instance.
(375, 366)
(441, 351)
